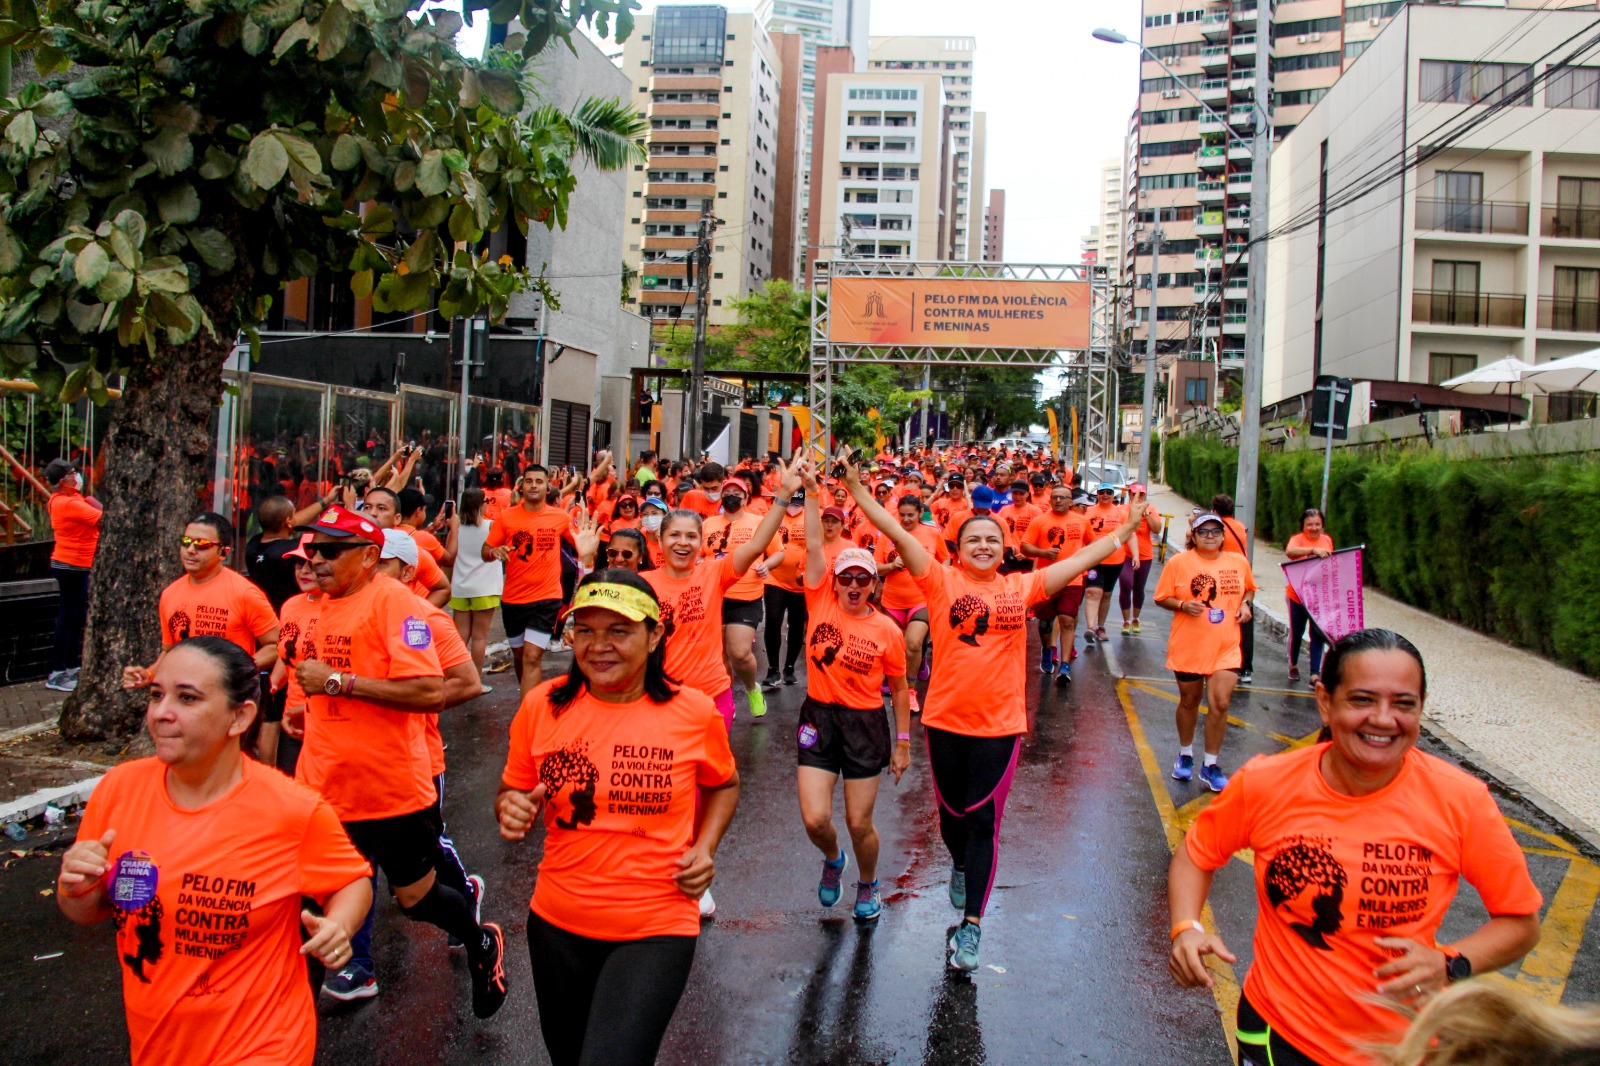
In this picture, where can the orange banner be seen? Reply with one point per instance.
(959, 312)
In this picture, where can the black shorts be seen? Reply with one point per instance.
(521, 619)
(1103, 577)
(272, 703)
(741, 613)
(844, 740)
(405, 847)
(1184, 677)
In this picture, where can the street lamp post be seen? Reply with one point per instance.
(1260, 145)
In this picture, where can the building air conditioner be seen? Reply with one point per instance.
(1144, 160)
(1373, 21)
(1314, 36)
(1300, 39)
(1170, 94)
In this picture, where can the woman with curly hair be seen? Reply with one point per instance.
(979, 621)
(844, 730)
(1359, 844)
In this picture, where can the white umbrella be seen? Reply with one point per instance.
(1508, 374)
(1575, 373)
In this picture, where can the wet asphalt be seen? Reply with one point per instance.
(1074, 947)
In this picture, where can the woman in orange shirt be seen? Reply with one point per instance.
(200, 857)
(1311, 540)
(979, 619)
(1135, 575)
(636, 784)
(1359, 845)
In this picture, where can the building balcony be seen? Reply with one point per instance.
(1238, 287)
(1210, 192)
(1212, 91)
(1208, 259)
(1569, 314)
(1439, 307)
(1237, 254)
(1240, 153)
(1211, 157)
(1239, 184)
(1234, 324)
(1243, 83)
(659, 214)
(1507, 217)
(1208, 224)
(661, 269)
(708, 110)
(683, 82)
(1231, 359)
(667, 297)
(1214, 59)
(1216, 26)
(1211, 126)
(1569, 222)
(1211, 329)
(1243, 46)
(684, 136)
(680, 188)
(669, 243)
(1238, 219)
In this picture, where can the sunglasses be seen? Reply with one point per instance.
(330, 551)
(199, 544)
(1208, 531)
(858, 579)
(613, 553)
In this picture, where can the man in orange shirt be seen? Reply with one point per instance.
(1236, 539)
(383, 507)
(1016, 515)
(741, 604)
(1057, 534)
(75, 521)
(782, 570)
(527, 539)
(706, 498)
(414, 519)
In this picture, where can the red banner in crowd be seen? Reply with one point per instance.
(1331, 590)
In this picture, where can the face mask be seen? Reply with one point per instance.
(714, 496)
(652, 522)
(732, 502)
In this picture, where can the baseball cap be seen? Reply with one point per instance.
(734, 484)
(1205, 517)
(656, 501)
(983, 498)
(299, 550)
(1138, 486)
(1019, 485)
(57, 469)
(1039, 480)
(955, 476)
(1106, 486)
(1083, 498)
(397, 544)
(855, 559)
(339, 522)
(833, 512)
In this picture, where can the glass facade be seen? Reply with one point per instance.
(689, 34)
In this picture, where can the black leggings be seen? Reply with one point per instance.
(1299, 622)
(72, 613)
(971, 778)
(1131, 593)
(1260, 1045)
(777, 602)
(605, 1002)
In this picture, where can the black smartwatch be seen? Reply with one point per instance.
(1458, 968)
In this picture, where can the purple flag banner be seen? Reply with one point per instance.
(1331, 590)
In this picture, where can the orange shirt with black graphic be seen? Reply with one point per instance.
(721, 535)
(1016, 516)
(533, 570)
(1103, 520)
(1300, 540)
(1209, 641)
(622, 788)
(1065, 532)
(228, 605)
(206, 905)
(297, 640)
(790, 571)
(369, 760)
(691, 613)
(848, 657)
(1335, 872)
(453, 651)
(900, 592)
(980, 636)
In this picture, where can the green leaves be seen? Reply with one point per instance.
(501, 91)
(170, 150)
(213, 248)
(267, 161)
(346, 153)
(90, 265)
(433, 177)
(178, 204)
(23, 132)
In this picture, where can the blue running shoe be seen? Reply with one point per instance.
(1047, 661)
(832, 874)
(958, 889)
(1214, 778)
(868, 905)
(1064, 675)
(351, 983)
(1183, 769)
(964, 947)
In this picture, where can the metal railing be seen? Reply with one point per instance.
(1473, 216)
(1568, 220)
(1569, 313)
(1441, 307)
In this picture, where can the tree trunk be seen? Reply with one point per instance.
(157, 453)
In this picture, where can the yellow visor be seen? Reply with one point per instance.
(626, 601)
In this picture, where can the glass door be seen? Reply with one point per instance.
(1455, 292)
(1460, 196)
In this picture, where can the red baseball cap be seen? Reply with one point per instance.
(339, 522)
(737, 484)
(833, 512)
(299, 550)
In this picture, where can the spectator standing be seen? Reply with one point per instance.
(75, 520)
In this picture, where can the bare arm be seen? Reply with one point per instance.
(816, 564)
(1187, 888)
(439, 593)
(402, 477)
(1500, 941)
(81, 886)
(267, 649)
(697, 866)
(422, 695)
(745, 555)
(452, 542)
(912, 553)
(461, 683)
(1060, 574)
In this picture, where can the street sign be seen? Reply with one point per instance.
(1334, 392)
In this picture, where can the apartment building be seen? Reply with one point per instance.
(1489, 248)
(707, 80)
(878, 184)
(994, 227)
(1110, 209)
(1090, 247)
(953, 58)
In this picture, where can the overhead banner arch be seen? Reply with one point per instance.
(959, 312)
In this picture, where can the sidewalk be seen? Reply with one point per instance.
(1523, 719)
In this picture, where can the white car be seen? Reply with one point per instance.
(1097, 472)
(1017, 443)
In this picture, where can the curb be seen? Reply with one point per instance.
(63, 796)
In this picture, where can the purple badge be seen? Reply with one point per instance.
(416, 633)
(808, 736)
(1215, 615)
(133, 884)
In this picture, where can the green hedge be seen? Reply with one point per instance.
(1510, 548)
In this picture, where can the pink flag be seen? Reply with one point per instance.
(1331, 590)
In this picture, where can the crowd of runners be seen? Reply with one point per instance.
(238, 895)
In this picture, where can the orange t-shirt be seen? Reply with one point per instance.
(1236, 539)
(1300, 540)
(722, 535)
(849, 657)
(1103, 520)
(428, 575)
(623, 785)
(206, 905)
(495, 503)
(867, 536)
(952, 529)
(697, 501)
(533, 571)
(1207, 642)
(367, 759)
(228, 605)
(1016, 516)
(980, 637)
(1063, 531)
(1145, 531)
(691, 611)
(900, 592)
(453, 651)
(427, 542)
(1334, 872)
(830, 552)
(600, 490)
(297, 640)
(76, 525)
(790, 571)
(944, 507)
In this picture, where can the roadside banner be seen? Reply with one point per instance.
(1055, 433)
(1331, 590)
(959, 312)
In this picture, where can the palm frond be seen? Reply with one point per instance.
(606, 133)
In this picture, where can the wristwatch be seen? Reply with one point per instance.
(1457, 968)
(334, 685)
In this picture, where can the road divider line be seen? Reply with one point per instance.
(1544, 971)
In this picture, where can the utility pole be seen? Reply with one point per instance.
(1244, 496)
(700, 271)
(1148, 415)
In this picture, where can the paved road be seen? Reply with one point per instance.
(1074, 947)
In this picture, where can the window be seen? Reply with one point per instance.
(1197, 391)
(1161, 85)
(1168, 181)
(1574, 87)
(1449, 82)
(1300, 97)
(1352, 49)
(1363, 12)
(1176, 51)
(1576, 305)
(1442, 366)
(1161, 118)
(1312, 61)
(689, 34)
(1152, 21)
(1154, 149)
(883, 94)
(1280, 30)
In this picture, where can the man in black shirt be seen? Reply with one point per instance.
(274, 575)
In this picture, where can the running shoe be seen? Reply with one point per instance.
(868, 905)
(1183, 769)
(1246, 677)
(1136, 627)
(1100, 634)
(758, 703)
(789, 678)
(489, 973)
(1047, 661)
(828, 889)
(958, 888)
(486, 690)
(1063, 675)
(771, 680)
(1214, 778)
(708, 906)
(964, 947)
(915, 707)
(351, 983)
(1127, 628)
(1294, 673)
(1089, 639)
(60, 681)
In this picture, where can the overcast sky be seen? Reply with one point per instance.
(1058, 102)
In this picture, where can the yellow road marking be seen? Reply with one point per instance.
(1548, 838)
(1544, 971)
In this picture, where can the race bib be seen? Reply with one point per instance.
(416, 633)
(134, 883)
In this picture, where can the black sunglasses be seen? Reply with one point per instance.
(858, 579)
(329, 550)
(613, 553)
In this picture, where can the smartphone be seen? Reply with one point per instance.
(448, 511)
